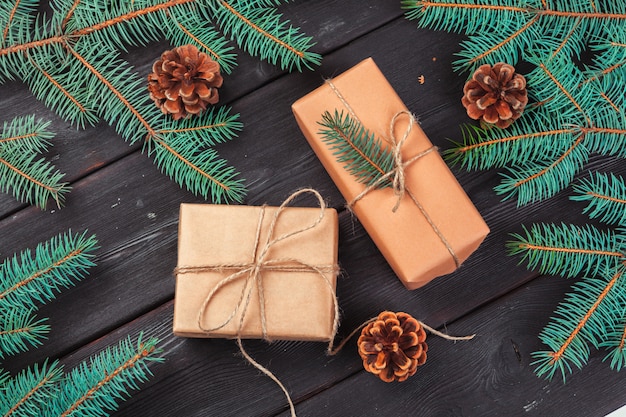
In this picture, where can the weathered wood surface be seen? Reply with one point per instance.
(121, 196)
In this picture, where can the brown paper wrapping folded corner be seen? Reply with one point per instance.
(405, 238)
(298, 305)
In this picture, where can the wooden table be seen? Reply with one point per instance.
(121, 196)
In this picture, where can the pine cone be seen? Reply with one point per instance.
(184, 81)
(497, 95)
(393, 346)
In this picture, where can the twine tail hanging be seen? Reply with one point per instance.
(252, 275)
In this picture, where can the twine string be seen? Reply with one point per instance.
(252, 274)
(398, 172)
(341, 345)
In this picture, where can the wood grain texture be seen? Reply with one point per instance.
(120, 195)
(491, 375)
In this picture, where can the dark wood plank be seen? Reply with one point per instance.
(491, 375)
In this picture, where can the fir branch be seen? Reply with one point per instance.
(464, 15)
(30, 278)
(261, 32)
(606, 195)
(501, 46)
(582, 318)
(536, 181)
(58, 87)
(201, 172)
(568, 250)
(572, 42)
(458, 14)
(189, 29)
(31, 35)
(96, 388)
(357, 148)
(213, 126)
(28, 391)
(32, 181)
(117, 24)
(610, 58)
(10, 12)
(535, 136)
(64, 10)
(26, 133)
(559, 75)
(124, 103)
(615, 343)
(18, 330)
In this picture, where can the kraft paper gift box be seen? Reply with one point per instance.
(418, 245)
(216, 242)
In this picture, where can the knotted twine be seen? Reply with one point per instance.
(398, 170)
(251, 272)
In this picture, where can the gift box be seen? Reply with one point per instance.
(435, 227)
(219, 248)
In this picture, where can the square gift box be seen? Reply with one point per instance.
(426, 237)
(217, 247)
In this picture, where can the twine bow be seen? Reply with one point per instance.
(398, 171)
(252, 273)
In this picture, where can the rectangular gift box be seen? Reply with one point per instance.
(409, 242)
(299, 305)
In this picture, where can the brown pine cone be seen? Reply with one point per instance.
(497, 95)
(184, 81)
(393, 346)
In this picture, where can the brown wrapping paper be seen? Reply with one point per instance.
(406, 239)
(298, 305)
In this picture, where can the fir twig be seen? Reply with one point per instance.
(582, 319)
(202, 172)
(260, 31)
(539, 180)
(19, 329)
(54, 83)
(97, 387)
(26, 133)
(615, 343)
(33, 181)
(210, 128)
(26, 393)
(204, 36)
(32, 278)
(357, 148)
(568, 250)
(606, 194)
(535, 137)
